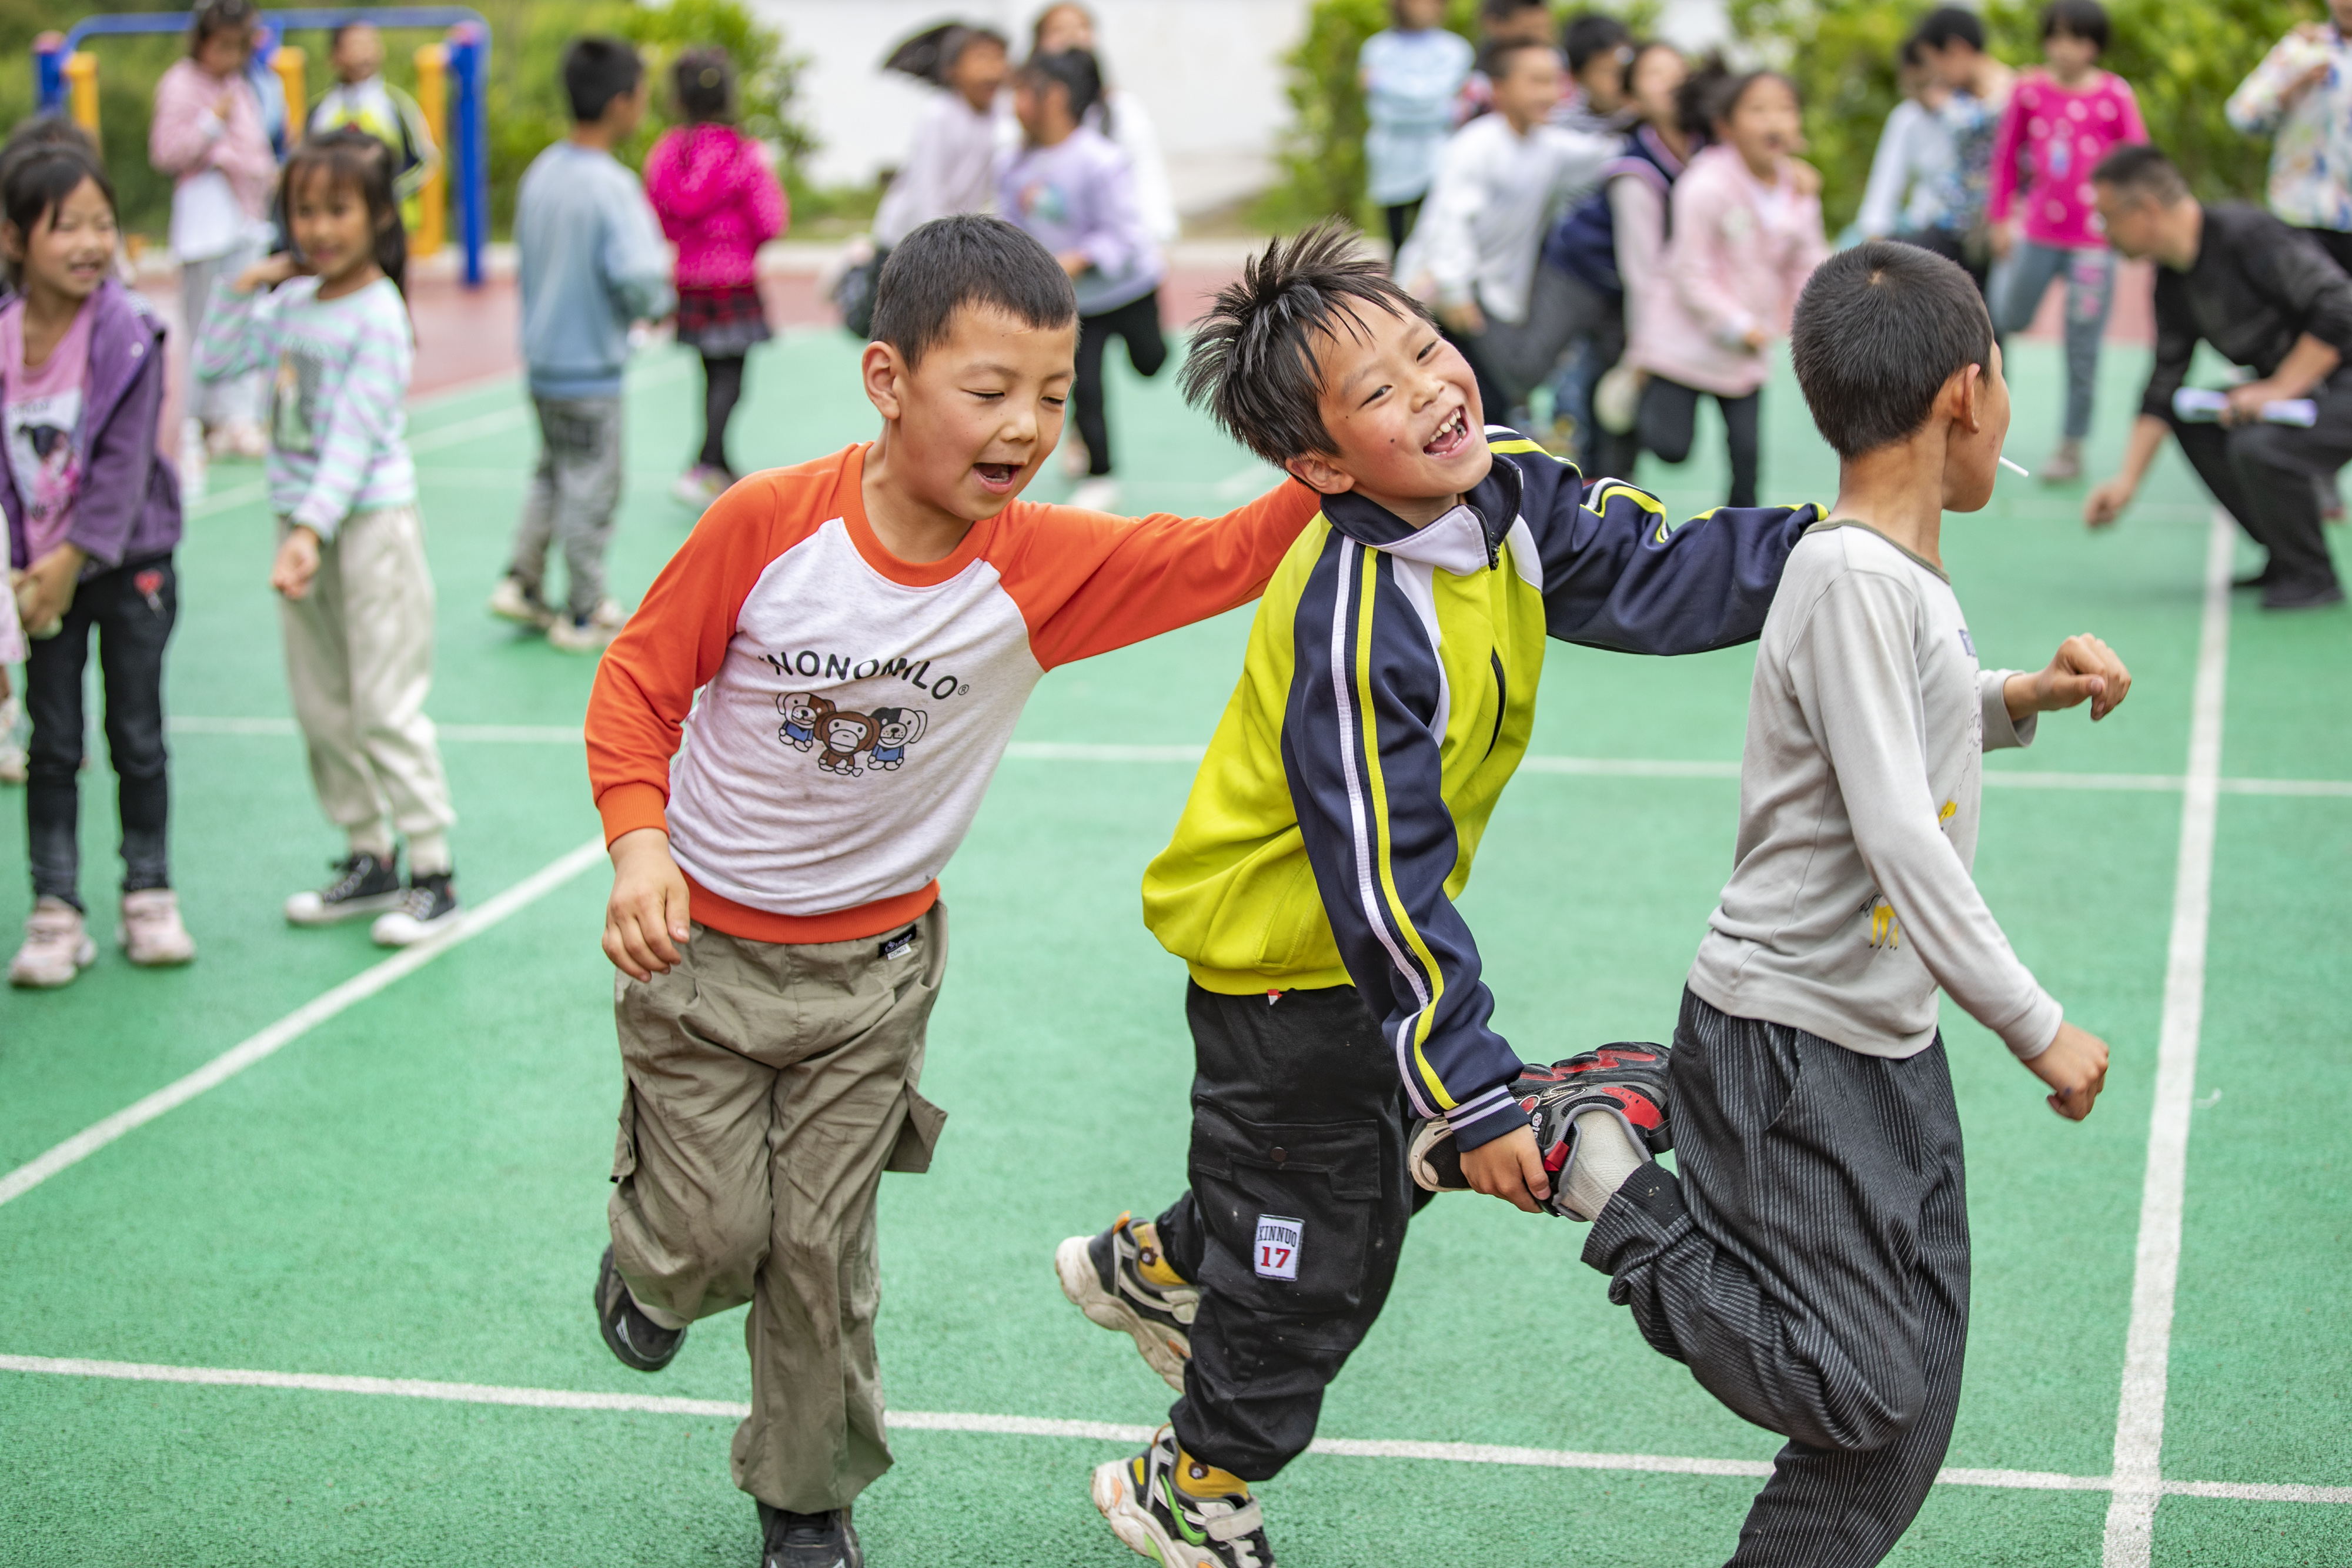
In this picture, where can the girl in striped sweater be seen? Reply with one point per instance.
(332, 321)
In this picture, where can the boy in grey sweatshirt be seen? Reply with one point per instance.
(1811, 1261)
(591, 260)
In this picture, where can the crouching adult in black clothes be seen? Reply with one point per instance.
(2269, 300)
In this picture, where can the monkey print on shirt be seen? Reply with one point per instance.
(839, 737)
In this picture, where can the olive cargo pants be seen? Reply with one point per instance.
(769, 1087)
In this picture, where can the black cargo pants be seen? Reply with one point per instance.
(1298, 1205)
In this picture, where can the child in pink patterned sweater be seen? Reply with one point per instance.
(718, 201)
(2060, 123)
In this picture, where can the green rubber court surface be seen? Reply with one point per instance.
(296, 1245)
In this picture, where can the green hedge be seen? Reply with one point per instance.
(2182, 57)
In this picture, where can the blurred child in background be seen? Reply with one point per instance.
(718, 200)
(93, 517)
(1951, 42)
(356, 605)
(1119, 115)
(362, 96)
(1502, 24)
(12, 652)
(951, 164)
(2059, 124)
(1074, 191)
(1411, 74)
(208, 135)
(2302, 94)
(590, 261)
(1745, 236)
(1914, 151)
(1598, 48)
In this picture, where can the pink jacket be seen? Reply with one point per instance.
(2063, 135)
(186, 137)
(1738, 256)
(718, 200)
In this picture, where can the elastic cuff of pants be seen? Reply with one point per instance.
(428, 855)
(660, 1318)
(1647, 1213)
(67, 897)
(371, 839)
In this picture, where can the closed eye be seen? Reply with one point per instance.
(1377, 393)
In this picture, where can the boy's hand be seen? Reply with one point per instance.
(46, 592)
(1466, 318)
(2002, 237)
(645, 922)
(2075, 1068)
(266, 273)
(2108, 500)
(1511, 1168)
(297, 562)
(2084, 669)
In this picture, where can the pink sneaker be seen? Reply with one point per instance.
(152, 935)
(57, 947)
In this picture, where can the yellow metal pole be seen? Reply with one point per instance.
(288, 63)
(432, 197)
(81, 86)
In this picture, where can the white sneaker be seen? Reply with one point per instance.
(510, 600)
(152, 934)
(1617, 398)
(1074, 460)
(1096, 495)
(56, 946)
(429, 908)
(699, 486)
(589, 636)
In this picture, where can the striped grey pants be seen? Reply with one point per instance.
(1811, 1267)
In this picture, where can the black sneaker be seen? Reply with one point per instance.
(1103, 1277)
(2283, 595)
(633, 1337)
(363, 885)
(808, 1540)
(1172, 1527)
(429, 908)
(1628, 1079)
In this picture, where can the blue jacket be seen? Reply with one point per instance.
(1387, 697)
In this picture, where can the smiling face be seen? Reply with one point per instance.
(1529, 81)
(72, 246)
(1401, 406)
(971, 424)
(1658, 73)
(1764, 126)
(330, 226)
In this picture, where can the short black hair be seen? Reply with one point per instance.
(1592, 34)
(1945, 26)
(596, 70)
(1496, 59)
(2138, 169)
(1909, 55)
(703, 82)
(1254, 362)
(967, 261)
(2084, 19)
(1504, 10)
(220, 16)
(335, 34)
(1076, 70)
(1879, 330)
(1727, 92)
(37, 177)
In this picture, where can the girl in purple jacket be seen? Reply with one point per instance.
(93, 515)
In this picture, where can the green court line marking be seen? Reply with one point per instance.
(1092, 1431)
(1582, 767)
(300, 1022)
(2130, 1530)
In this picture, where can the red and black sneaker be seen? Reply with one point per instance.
(1628, 1079)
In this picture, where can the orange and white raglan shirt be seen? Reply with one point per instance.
(842, 710)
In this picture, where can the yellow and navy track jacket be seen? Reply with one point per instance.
(1387, 697)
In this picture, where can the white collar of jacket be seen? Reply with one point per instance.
(1464, 541)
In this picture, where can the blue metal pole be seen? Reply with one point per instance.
(469, 159)
(49, 51)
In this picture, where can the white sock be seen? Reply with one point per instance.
(375, 838)
(1605, 1156)
(428, 853)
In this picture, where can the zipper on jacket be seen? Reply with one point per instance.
(1502, 700)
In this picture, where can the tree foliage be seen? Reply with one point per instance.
(2182, 60)
(1322, 156)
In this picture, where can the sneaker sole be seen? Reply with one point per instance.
(84, 957)
(1084, 1287)
(418, 931)
(170, 960)
(1115, 1499)
(349, 910)
(621, 1352)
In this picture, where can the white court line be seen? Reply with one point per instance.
(1582, 767)
(301, 1021)
(2156, 1270)
(1090, 1431)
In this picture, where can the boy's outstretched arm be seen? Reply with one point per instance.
(1364, 771)
(1089, 582)
(1618, 574)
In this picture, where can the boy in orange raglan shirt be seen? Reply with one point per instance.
(864, 630)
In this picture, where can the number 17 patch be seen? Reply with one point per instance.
(1278, 1247)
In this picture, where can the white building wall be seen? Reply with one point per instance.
(1208, 71)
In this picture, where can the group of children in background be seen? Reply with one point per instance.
(293, 282)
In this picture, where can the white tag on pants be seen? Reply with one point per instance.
(1278, 1247)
